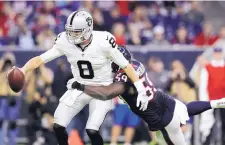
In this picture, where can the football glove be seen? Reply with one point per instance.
(73, 84)
(142, 99)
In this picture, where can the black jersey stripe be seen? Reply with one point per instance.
(71, 21)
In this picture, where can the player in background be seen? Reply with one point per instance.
(164, 113)
(90, 54)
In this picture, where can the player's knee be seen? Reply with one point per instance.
(12, 125)
(58, 128)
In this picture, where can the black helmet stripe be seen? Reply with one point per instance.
(71, 21)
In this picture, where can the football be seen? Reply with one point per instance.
(16, 79)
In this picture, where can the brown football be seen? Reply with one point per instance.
(16, 79)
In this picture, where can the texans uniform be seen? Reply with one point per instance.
(90, 65)
(163, 113)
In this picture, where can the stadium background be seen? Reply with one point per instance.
(162, 35)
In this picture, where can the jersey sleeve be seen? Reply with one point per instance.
(54, 52)
(111, 51)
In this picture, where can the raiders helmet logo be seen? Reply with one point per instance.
(89, 21)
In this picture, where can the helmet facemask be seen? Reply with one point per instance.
(76, 36)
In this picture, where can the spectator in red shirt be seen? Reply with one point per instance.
(118, 31)
(124, 7)
(206, 38)
(6, 15)
(212, 87)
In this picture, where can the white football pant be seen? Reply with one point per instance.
(172, 132)
(73, 101)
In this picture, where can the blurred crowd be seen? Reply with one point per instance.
(44, 86)
(36, 23)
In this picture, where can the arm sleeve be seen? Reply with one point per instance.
(203, 91)
(105, 92)
(51, 54)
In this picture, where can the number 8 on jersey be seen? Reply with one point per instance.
(85, 68)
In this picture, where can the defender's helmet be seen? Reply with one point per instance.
(126, 53)
(79, 27)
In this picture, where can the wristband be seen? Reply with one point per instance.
(139, 85)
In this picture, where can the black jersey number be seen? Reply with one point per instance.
(86, 70)
(112, 41)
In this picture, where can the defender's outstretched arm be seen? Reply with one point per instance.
(101, 92)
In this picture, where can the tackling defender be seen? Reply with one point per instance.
(164, 113)
(90, 54)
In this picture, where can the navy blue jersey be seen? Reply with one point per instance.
(161, 106)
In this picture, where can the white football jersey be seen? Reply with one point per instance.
(91, 65)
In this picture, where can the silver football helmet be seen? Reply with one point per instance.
(79, 27)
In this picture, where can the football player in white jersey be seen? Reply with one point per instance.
(90, 54)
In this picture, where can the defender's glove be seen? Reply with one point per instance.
(73, 84)
(142, 98)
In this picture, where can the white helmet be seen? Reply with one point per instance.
(79, 27)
